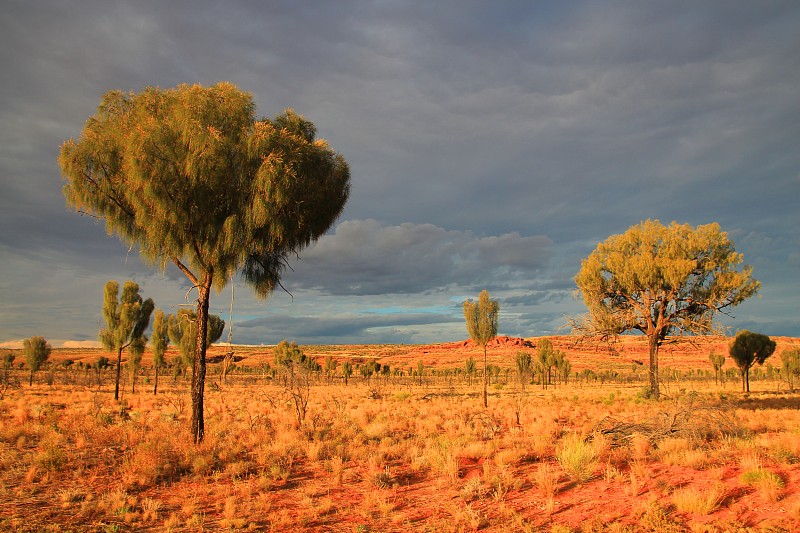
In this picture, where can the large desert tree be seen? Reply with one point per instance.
(748, 349)
(126, 317)
(661, 280)
(481, 318)
(190, 177)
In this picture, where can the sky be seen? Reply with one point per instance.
(492, 145)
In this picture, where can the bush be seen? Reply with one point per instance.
(577, 458)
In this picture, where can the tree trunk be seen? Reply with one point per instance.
(747, 379)
(485, 379)
(653, 345)
(30, 381)
(119, 368)
(199, 368)
(155, 385)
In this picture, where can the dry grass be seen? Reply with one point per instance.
(699, 501)
(410, 458)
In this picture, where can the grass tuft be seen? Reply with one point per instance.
(577, 458)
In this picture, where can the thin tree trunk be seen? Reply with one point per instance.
(485, 379)
(199, 368)
(654, 388)
(155, 385)
(119, 368)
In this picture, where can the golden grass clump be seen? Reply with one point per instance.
(577, 457)
(767, 483)
(699, 501)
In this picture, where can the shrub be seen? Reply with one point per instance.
(577, 458)
(767, 483)
(698, 501)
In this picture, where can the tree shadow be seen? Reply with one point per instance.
(773, 402)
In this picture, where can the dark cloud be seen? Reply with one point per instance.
(366, 257)
(491, 145)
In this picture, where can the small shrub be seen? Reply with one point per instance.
(473, 489)
(656, 518)
(577, 458)
(698, 501)
(767, 483)
(546, 479)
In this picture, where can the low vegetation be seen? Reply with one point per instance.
(396, 449)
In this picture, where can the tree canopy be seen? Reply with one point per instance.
(661, 280)
(748, 349)
(190, 177)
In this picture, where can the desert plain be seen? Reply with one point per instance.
(409, 448)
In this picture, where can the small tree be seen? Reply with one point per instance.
(297, 371)
(101, 364)
(330, 368)
(347, 371)
(524, 365)
(136, 351)
(159, 344)
(470, 368)
(37, 350)
(420, 371)
(717, 361)
(546, 358)
(126, 319)
(182, 331)
(5, 374)
(562, 367)
(481, 318)
(790, 366)
(747, 349)
(661, 280)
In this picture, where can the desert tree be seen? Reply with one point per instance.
(330, 368)
(347, 371)
(190, 177)
(481, 318)
(524, 364)
(790, 365)
(136, 351)
(182, 331)
(661, 280)
(748, 349)
(470, 368)
(36, 350)
(563, 367)
(5, 373)
(126, 317)
(420, 371)
(159, 344)
(297, 371)
(547, 360)
(717, 361)
(101, 364)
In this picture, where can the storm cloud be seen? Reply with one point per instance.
(491, 146)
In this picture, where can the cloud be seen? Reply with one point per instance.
(366, 257)
(491, 146)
